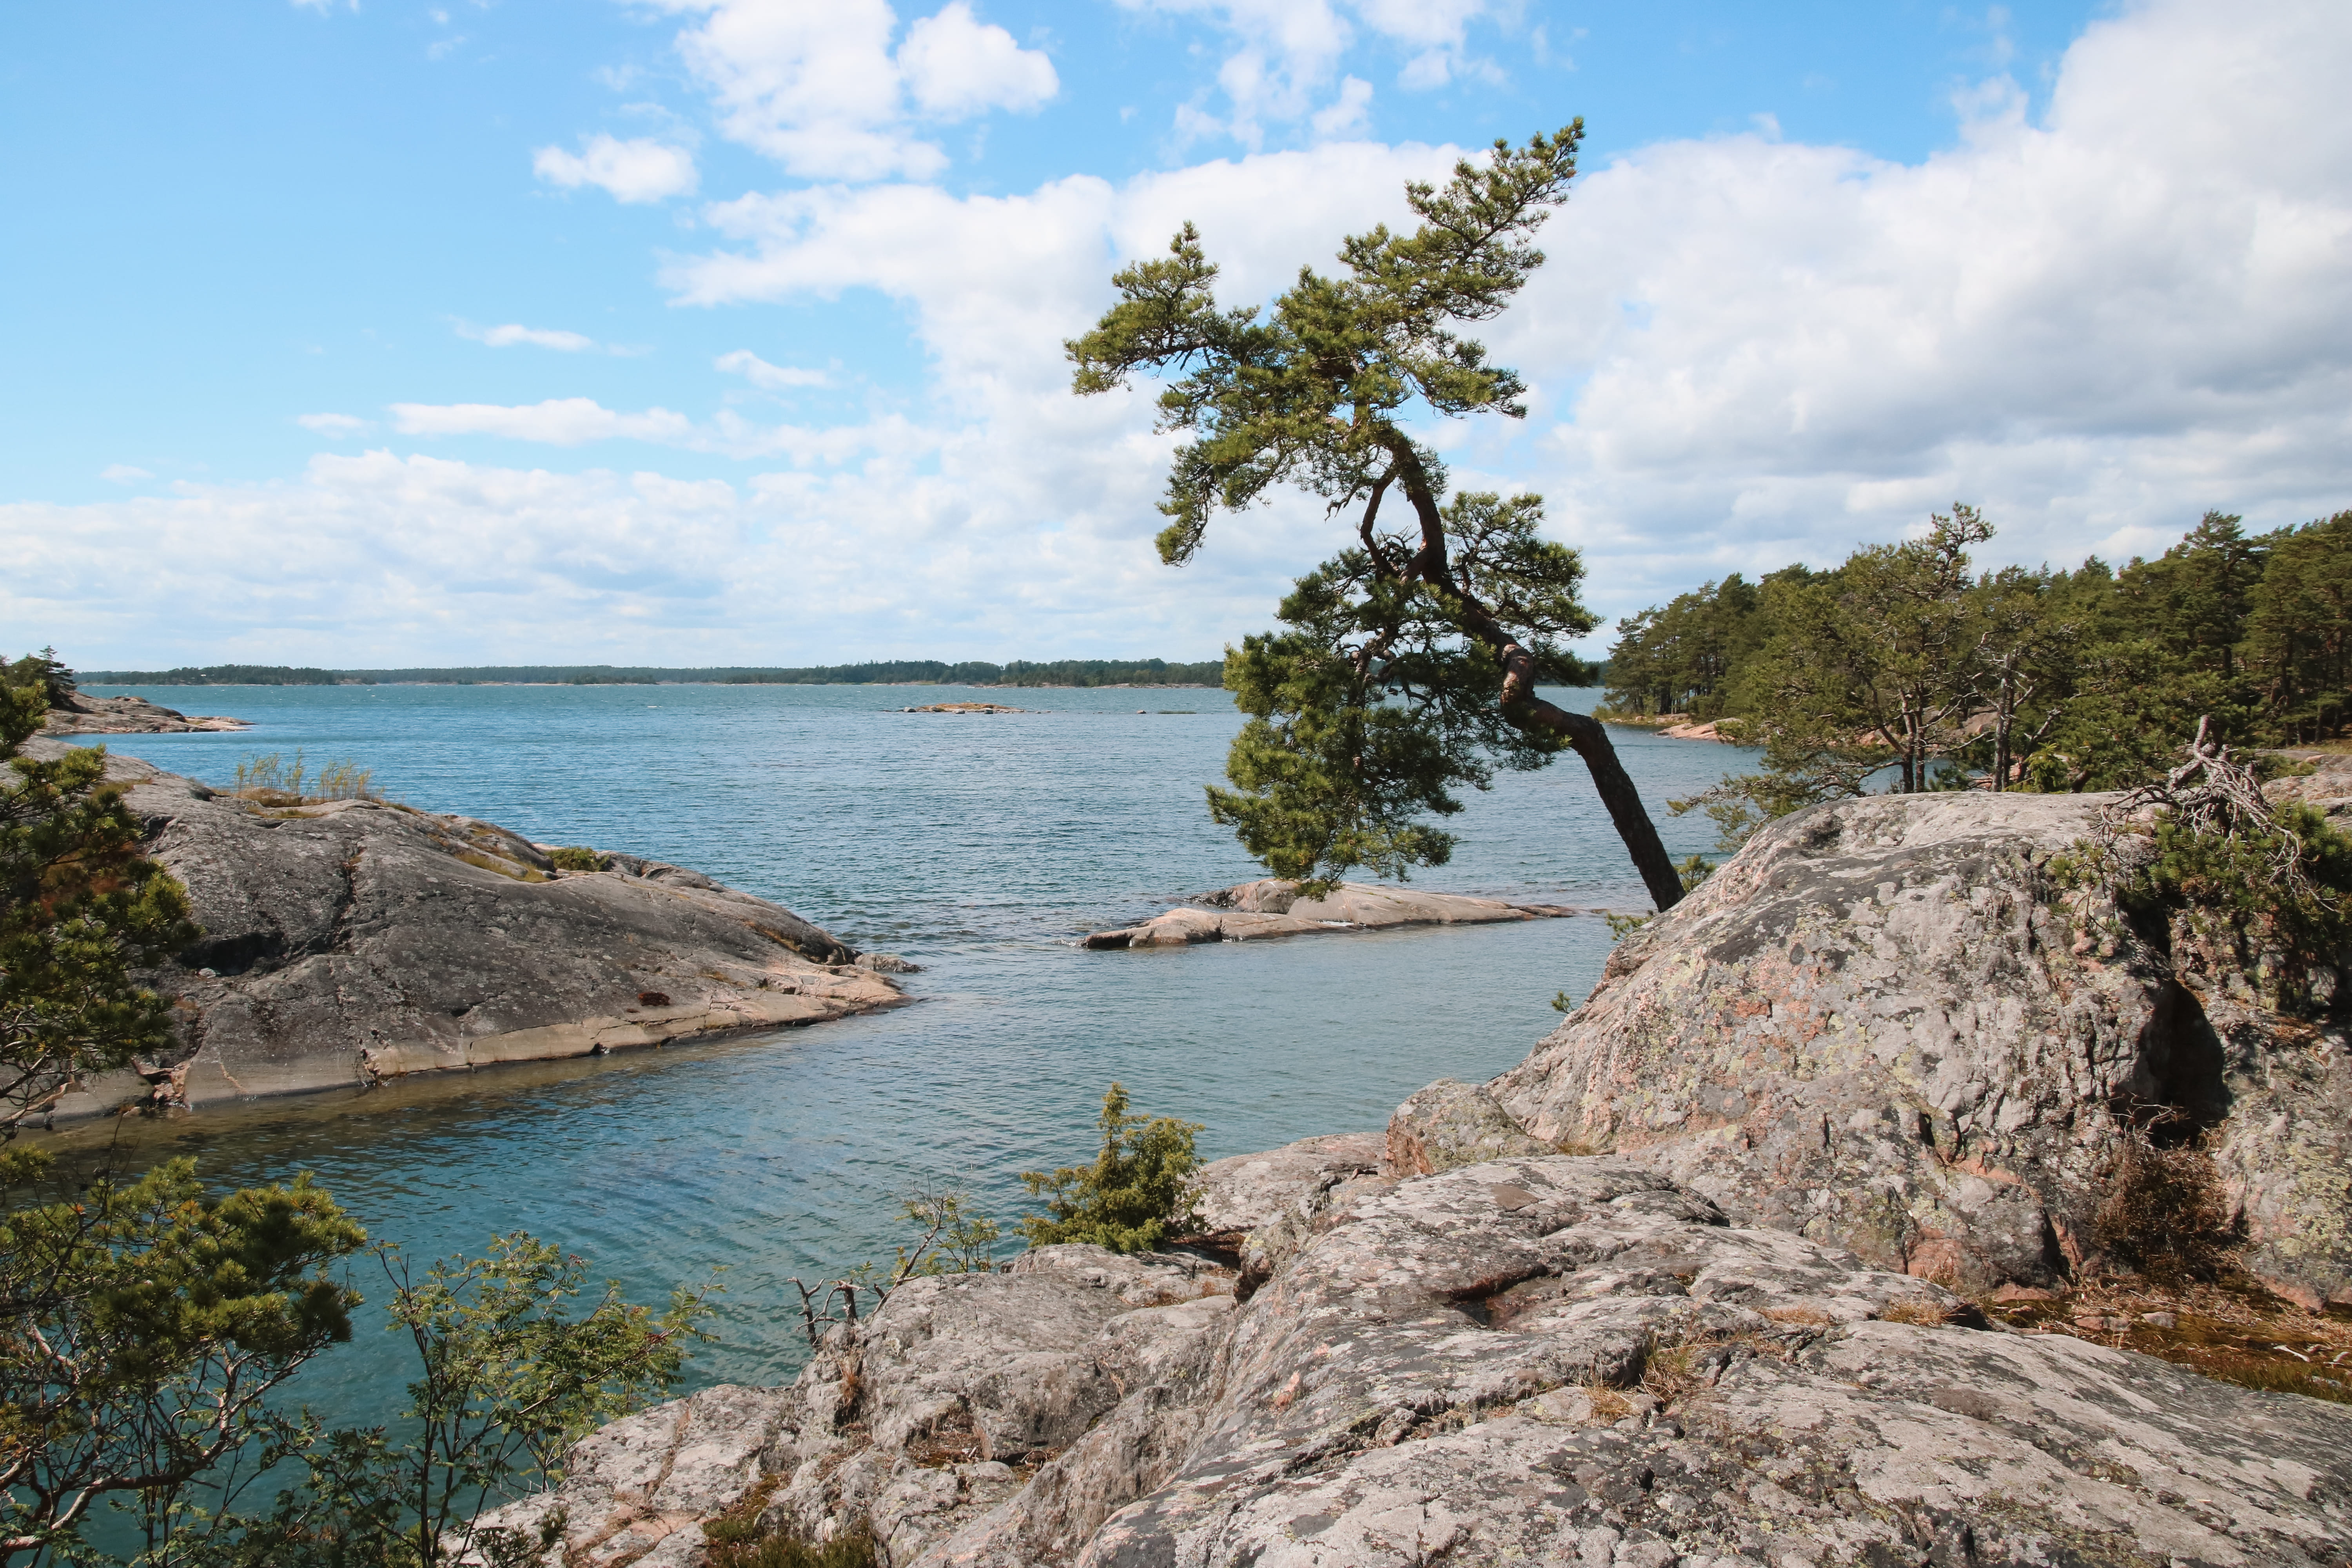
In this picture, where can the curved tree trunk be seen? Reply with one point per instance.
(1521, 706)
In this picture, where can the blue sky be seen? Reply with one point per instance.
(726, 330)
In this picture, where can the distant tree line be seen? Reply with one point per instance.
(1905, 666)
(974, 672)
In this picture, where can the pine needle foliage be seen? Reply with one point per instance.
(81, 909)
(1406, 667)
(1125, 1200)
(2265, 889)
(143, 1328)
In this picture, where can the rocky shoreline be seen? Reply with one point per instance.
(1542, 1360)
(81, 714)
(1695, 1286)
(354, 940)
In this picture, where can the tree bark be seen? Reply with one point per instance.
(1590, 739)
(1525, 710)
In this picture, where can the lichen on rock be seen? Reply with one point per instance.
(1885, 1025)
(1554, 1359)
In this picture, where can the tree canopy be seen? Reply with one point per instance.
(1408, 664)
(1902, 667)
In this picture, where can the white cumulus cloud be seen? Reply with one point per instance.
(336, 424)
(818, 88)
(955, 67)
(640, 170)
(1286, 52)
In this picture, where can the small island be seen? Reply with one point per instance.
(965, 708)
(1270, 907)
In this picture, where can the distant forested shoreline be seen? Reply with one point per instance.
(1902, 657)
(887, 672)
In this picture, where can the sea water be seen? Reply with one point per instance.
(980, 846)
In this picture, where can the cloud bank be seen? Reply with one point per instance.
(1742, 352)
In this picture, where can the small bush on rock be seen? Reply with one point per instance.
(1125, 1200)
(577, 857)
(741, 1538)
(2245, 888)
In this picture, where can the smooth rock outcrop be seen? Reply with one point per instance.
(1272, 907)
(1561, 1361)
(81, 714)
(358, 941)
(1883, 1025)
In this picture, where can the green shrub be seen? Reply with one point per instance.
(2244, 887)
(2271, 899)
(1125, 1200)
(578, 858)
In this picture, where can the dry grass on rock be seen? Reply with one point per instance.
(2234, 1331)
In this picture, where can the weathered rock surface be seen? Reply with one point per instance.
(1270, 907)
(84, 715)
(1552, 1360)
(1452, 1123)
(1882, 1026)
(1262, 1208)
(649, 1481)
(357, 941)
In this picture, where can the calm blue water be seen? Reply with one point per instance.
(980, 847)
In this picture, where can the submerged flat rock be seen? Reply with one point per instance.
(358, 941)
(1270, 907)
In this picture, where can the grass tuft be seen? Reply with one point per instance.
(737, 1539)
(276, 780)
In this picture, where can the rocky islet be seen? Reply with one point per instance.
(349, 941)
(82, 714)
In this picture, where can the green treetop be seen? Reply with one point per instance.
(1409, 661)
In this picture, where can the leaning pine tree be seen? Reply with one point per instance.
(1409, 662)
